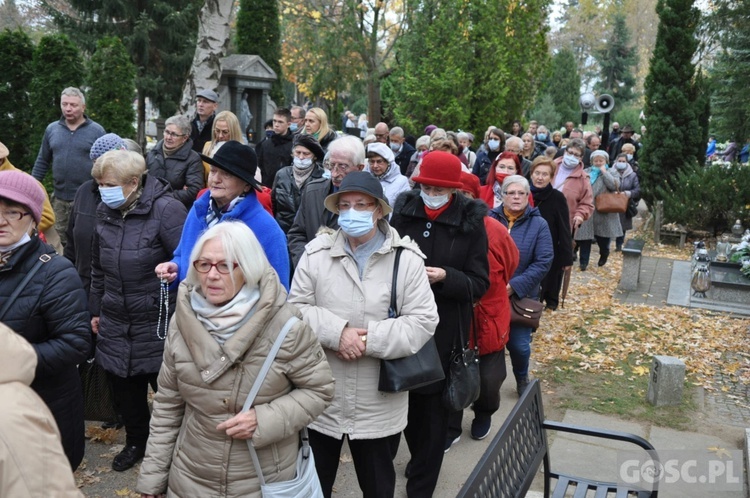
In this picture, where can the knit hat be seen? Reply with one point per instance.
(106, 143)
(22, 188)
(470, 184)
(3, 151)
(362, 182)
(597, 153)
(440, 169)
(429, 129)
(309, 143)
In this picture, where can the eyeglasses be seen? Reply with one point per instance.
(519, 193)
(203, 266)
(13, 215)
(173, 135)
(360, 206)
(574, 154)
(343, 167)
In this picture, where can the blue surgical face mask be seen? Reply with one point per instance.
(493, 144)
(356, 223)
(434, 202)
(293, 127)
(621, 166)
(629, 156)
(113, 197)
(327, 173)
(570, 161)
(541, 137)
(395, 147)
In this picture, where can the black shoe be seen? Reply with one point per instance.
(521, 384)
(112, 425)
(450, 442)
(481, 426)
(603, 260)
(583, 267)
(129, 456)
(618, 249)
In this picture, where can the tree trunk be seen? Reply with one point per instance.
(141, 133)
(373, 98)
(211, 46)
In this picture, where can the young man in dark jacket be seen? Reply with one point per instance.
(276, 152)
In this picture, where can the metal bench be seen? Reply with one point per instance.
(631, 264)
(512, 460)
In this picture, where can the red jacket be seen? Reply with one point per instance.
(492, 312)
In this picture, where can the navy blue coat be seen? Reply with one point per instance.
(532, 237)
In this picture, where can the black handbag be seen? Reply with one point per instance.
(413, 371)
(98, 400)
(462, 382)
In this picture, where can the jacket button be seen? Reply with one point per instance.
(226, 400)
(223, 358)
(426, 234)
(206, 372)
(429, 224)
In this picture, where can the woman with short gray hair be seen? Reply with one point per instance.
(174, 159)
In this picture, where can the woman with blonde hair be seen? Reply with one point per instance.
(316, 124)
(226, 127)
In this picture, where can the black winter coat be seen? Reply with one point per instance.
(273, 154)
(200, 138)
(124, 289)
(182, 169)
(554, 209)
(404, 157)
(51, 313)
(456, 242)
(311, 215)
(285, 196)
(80, 232)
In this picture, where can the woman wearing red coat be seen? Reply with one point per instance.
(492, 322)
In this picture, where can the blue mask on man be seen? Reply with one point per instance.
(356, 223)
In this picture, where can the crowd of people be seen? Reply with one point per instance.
(177, 270)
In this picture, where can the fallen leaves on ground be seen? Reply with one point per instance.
(597, 333)
(106, 436)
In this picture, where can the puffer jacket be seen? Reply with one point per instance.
(492, 312)
(534, 242)
(393, 182)
(577, 191)
(328, 291)
(602, 224)
(124, 289)
(455, 241)
(203, 383)
(81, 228)
(285, 196)
(51, 313)
(32, 461)
(183, 170)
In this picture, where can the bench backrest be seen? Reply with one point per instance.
(514, 456)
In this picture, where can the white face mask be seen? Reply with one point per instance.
(434, 202)
(569, 161)
(302, 163)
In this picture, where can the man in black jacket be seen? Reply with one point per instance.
(276, 152)
(206, 103)
(401, 148)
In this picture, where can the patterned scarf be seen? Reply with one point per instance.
(214, 213)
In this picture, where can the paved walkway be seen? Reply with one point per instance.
(653, 283)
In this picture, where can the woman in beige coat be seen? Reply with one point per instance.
(230, 310)
(342, 285)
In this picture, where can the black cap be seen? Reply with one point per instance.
(237, 159)
(309, 143)
(362, 182)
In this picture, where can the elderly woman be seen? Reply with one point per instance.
(232, 196)
(174, 159)
(230, 310)
(532, 237)
(50, 311)
(422, 146)
(291, 181)
(316, 124)
(600, 226)
(554, 209)
(226, 127)
(138, 224)
(492, 322)
(494, 146)
(381, 163)
(630, 186)
(571, 179)
(449, 229)
(342, 287)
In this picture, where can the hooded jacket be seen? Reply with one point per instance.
(457, 242)
(203, 383)
(328, 291)
(183, 170)
(393, 182)
(51, 313)
(124, 289)
(32, 461)
(531, 235)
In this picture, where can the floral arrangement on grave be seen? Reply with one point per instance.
(741, 254)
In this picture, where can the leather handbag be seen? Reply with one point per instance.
(462, 382)
(525, 311)
(413, 371)
(305, 483)
(611, 202)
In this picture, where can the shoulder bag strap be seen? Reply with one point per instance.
(256, 387)
(44, 258)
(393, 310)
